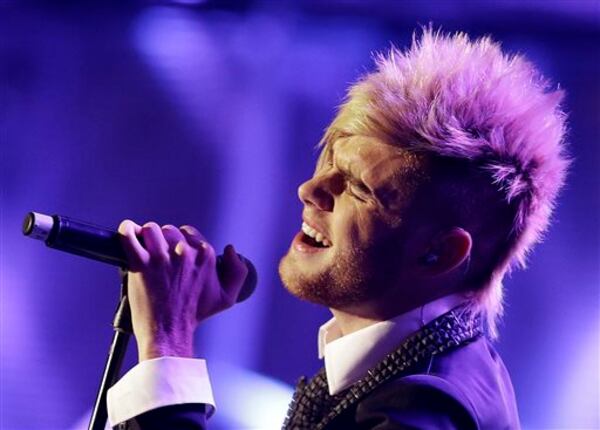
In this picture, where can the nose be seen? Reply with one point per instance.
(320, 191)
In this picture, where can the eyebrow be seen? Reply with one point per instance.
(349, 170)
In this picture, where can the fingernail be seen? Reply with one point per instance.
(127, 228)
(189, 229)
(180, 247)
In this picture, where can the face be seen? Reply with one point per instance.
(350, 248)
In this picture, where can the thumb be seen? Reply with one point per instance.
(232, 273)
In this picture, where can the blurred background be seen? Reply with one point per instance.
(207, 112)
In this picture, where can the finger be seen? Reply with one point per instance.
(136, 255)
(193, 236)
(205, 253)
(233, 273)
(172, 235)
(182, 248)
(155, 242)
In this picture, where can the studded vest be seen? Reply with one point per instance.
(312, 408)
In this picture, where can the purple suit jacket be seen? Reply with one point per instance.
(465, 388)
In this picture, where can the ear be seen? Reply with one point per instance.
(448, 250)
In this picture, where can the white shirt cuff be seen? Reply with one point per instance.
(159, 382)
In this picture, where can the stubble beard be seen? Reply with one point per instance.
(350, 279)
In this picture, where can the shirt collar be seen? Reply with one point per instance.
(348, 358)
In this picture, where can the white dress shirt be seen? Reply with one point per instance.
(159, 382)
(168, 381)
(348, 358)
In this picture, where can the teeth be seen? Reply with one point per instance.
(306, 229)
(309, 231)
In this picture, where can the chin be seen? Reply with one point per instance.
(291, 276)
(339, 285)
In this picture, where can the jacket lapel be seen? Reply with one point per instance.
(313, 408)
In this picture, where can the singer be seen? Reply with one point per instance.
(437, 177)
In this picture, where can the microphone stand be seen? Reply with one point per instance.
(122, 332)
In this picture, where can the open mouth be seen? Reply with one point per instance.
(306, 239)
(313, 238)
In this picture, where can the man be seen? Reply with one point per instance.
(437, 176)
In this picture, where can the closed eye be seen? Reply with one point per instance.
(358, 190)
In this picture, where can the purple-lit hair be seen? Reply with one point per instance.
(453, 97)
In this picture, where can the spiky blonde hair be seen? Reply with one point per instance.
(456, 98)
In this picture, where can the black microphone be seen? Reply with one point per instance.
(101, 244)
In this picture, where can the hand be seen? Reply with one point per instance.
(173, 285)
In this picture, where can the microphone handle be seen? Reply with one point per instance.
(99, 243)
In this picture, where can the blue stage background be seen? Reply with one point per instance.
(207, 112)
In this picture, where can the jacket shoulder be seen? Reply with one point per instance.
(467, 387)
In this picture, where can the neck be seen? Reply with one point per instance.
(349, 322)
(354, 318)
